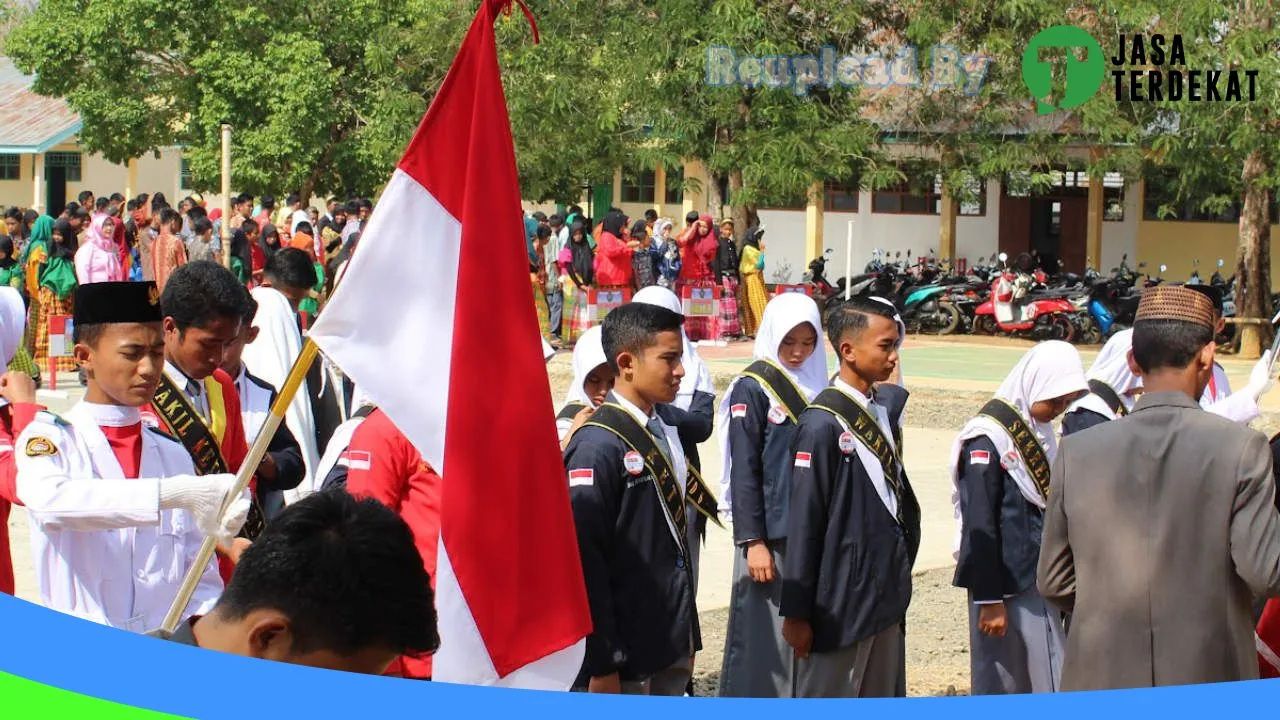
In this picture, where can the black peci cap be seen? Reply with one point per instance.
(117, 302)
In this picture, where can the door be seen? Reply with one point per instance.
(1015, 225)
(1073, 238)
(601, 201)
(55, 197)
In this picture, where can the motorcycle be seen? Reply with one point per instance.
(1038, 318)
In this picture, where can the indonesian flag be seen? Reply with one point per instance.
(1267, 640)
(434, 322)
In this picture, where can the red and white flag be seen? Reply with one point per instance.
(434, 321)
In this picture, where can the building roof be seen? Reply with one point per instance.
(31, 123)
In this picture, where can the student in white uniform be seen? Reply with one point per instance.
(117, 512)
(1242, 406)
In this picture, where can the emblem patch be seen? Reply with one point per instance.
(40, 447)
(777, 415)
(847, 443)
(738, 411)
(633, 462)
(979, 457)
(803, 459)
(582, 478)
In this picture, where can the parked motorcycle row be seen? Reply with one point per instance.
(999, 297)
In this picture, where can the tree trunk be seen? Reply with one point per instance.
(715, 201)
(744, 216)
(1253, 259)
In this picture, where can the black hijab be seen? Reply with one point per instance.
(584, 258)
(614, 222)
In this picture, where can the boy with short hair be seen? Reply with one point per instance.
(117, 510)
(335, 583)
(628, 486)
(282, 467)
(853, 525)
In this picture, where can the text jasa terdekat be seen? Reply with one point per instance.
(1155, 68)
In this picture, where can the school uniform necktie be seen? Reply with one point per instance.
(654, 426)
(195, 393)
(894, 478)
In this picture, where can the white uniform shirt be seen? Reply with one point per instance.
(1241, 407)
(102, 548)
(255, 405)
(869, 460)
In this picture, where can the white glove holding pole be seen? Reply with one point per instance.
(1260, 378)
(204, 496)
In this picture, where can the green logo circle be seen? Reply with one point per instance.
(1081, 77)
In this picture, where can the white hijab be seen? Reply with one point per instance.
(1112, 367)
(270, 357)
(13, 323)
(697, 378)
(783, 314)
(1049, 370)
(588, 354)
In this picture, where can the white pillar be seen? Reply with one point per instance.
(37, 180)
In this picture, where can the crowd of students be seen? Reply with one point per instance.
(571, 255)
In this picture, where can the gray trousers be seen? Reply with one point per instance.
(555, 308)
(669, 683)
(1028, 659)
(757, 661)
(871, 668)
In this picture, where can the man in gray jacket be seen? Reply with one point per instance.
(1161, 526)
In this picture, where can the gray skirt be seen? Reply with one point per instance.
(1028, 659)
(757, 661)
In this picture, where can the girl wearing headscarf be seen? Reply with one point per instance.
(269, 241)
(10, 268)
(57, 291)
(752, 291)
(726, 274)
(698, 247)
(577, 276)
(17, 409)
(1112, 387)
(592, 381)
(98, 259)
(998, 495)
(613, 253)
(33, 257)
(756, 429)
(692, 414)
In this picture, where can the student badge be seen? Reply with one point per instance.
(847, 443)
(633, 462)
(40, 447)
(1010, 460)
(777, 415)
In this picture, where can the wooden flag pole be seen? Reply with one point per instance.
(297, 374)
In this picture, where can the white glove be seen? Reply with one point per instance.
(203, 497)
(1260, 379)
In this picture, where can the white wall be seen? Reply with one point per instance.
(1121, 237)
(784, 260)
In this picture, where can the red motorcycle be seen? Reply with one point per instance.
(1038, 319)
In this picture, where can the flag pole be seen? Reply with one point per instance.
(297, 374)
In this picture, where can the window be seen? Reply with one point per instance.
(1113, 197)
(10, 167)
(904, 199)
(840, 197)
(68, 160)
(184, 174)
(973, 201)
(675, 189)
(1161, 189)
(638, 188)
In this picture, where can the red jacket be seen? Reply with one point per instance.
(384, 465)
(613, 262)
(233, 445)
(696, 255)
(13, 420)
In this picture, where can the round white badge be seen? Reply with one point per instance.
(1010, 460)
(777, 415)
(633, 463)
(847, 443)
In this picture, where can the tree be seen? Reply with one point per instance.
(1221, 154)
(314, 90)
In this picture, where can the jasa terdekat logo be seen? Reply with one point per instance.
(1143, 68)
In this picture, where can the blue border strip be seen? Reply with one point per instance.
(75, 655)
